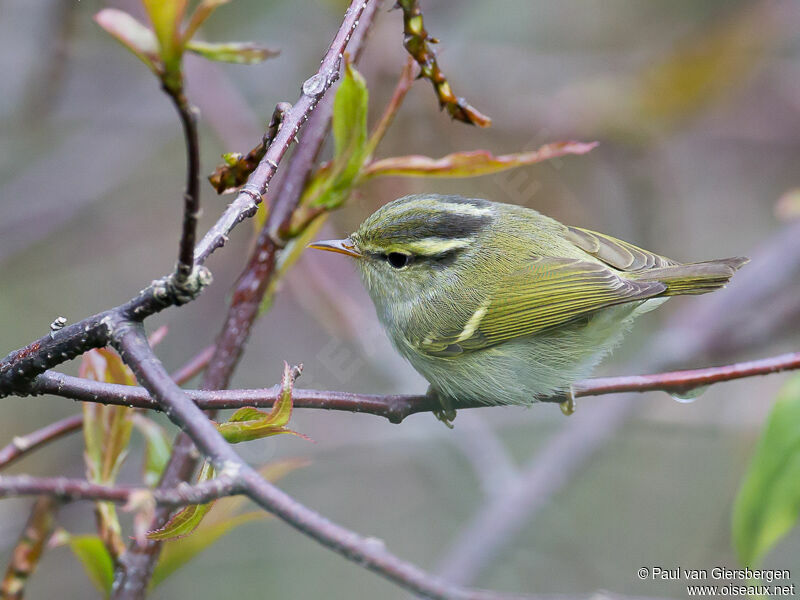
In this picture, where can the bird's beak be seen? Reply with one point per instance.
(345, 246)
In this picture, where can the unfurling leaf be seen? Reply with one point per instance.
(158, 448)
(217, 523)
(252, 424)
(96, 560)
(469, 164)
(241, 53)
(349, 122)
(187, 519)
(130, 33)
(768, 503)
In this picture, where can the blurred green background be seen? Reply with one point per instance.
(696, 106)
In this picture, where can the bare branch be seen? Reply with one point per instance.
(69, 490)
(23, 444)
(395, 408)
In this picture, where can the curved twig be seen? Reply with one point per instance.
(23, 444)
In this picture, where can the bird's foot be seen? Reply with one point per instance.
(447, 413)
(568, 404)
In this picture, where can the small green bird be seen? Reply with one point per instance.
(500, 304)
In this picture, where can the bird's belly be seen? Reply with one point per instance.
(529, 369)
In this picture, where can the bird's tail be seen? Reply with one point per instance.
(693, 278)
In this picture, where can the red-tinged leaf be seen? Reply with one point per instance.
(96, 560)
(130, 33)
(187, 519)
(199, 16)
(240, 53)
(469, 164)
(103, 364)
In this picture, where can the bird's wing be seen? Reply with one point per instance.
(616, 253)
(546, 293)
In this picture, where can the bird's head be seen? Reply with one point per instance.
(414, 244)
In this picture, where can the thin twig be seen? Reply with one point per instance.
(404, 83)
(23, 444)
(395, 408)
(69, 490)
(191, 195)
(194, 366)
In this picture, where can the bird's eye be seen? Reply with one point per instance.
(398, 260)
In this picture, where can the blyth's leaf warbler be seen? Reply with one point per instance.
(500, 304)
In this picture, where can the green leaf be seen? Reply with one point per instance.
(96, 561)
(176, 553)
(240, 53)
(130, 33)
(768, 503)
(249, 423)
(217, 523)
(350, 117)
(166, 17)
(187, 519)
(469, 164)
(158, 448)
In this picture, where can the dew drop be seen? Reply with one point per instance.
(314, 85)
(690, 395)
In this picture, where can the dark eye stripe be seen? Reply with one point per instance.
(440, 226)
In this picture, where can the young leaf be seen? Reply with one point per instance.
(166, 17)
(177, 552)
(349, 121)
(768, 503)
(252, 424)
(96, 560)
(130, 33)
(469, 164)
(187, 519)
(217, 523)
(158, 448)
(241, 53)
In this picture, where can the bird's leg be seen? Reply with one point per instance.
(447, 413)
(568, 404)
